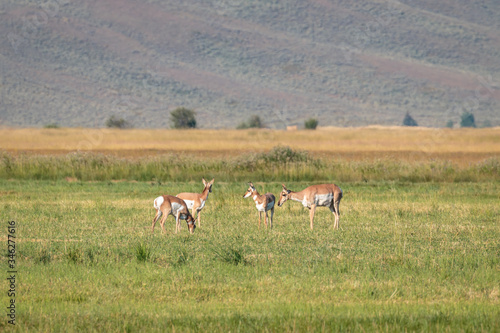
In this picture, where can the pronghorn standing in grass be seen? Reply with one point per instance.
(166, 205)
(324, 195)
(264, 203)
(196, 201)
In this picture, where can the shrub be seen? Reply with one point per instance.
(114, 122)
(51, 125)
(142, 252)
(467, 120)
(183, 118)
(450, 124)
(311, 123)
(253, 122)
(280, 154)
(409, 121)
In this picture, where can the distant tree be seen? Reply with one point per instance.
(253, 122)
(450, 124)
(409, 121)
(311, 123)
(183, 118)
(114, 122)
(467, 120)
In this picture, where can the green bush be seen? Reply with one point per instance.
(311, 123)
(467, 120)
(114, 122)
(51, 125)
(409, 121)
(183, 118)
(253, 122)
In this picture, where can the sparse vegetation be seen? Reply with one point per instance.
(253, 122)
(52, 125)
(115, 122)
(264, 77)
(182, 118)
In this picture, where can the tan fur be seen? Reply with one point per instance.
(199, 199)
(309, 198)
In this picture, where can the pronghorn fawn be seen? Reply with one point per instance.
(166, 205)
(196, 201)
(264, 203)
(324, 195)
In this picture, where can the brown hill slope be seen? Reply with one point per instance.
(345, 63)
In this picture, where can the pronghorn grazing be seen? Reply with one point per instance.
(166, 205)
(264, 203)
(324, 195)
(196, 201)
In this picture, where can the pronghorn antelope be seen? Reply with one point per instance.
(166, 205)
(196, 201)
(325, 195)
(264, 203)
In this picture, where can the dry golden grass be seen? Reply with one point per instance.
(458, 145)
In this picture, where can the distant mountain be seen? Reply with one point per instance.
(346, 63)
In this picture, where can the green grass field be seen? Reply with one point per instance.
(409, 256)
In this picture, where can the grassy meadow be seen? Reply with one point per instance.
(417, 248)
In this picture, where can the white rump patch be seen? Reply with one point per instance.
(189, 203)
(158, 202)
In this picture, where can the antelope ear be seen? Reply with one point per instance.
(204, 181)
(284, 187)
(250, 183)
(212, 181)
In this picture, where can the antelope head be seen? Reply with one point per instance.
(208, 184)
(284, 195)
(250, 190)
(191, 222)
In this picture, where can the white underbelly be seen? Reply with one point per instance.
(323, 199)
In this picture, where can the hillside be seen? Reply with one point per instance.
(347, 63)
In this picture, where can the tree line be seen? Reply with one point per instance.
(184, 118)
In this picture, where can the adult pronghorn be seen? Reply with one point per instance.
(325, 195)
(166, 205)
(264, 203)
(196, 201)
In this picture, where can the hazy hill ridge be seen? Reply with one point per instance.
(347, 63)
